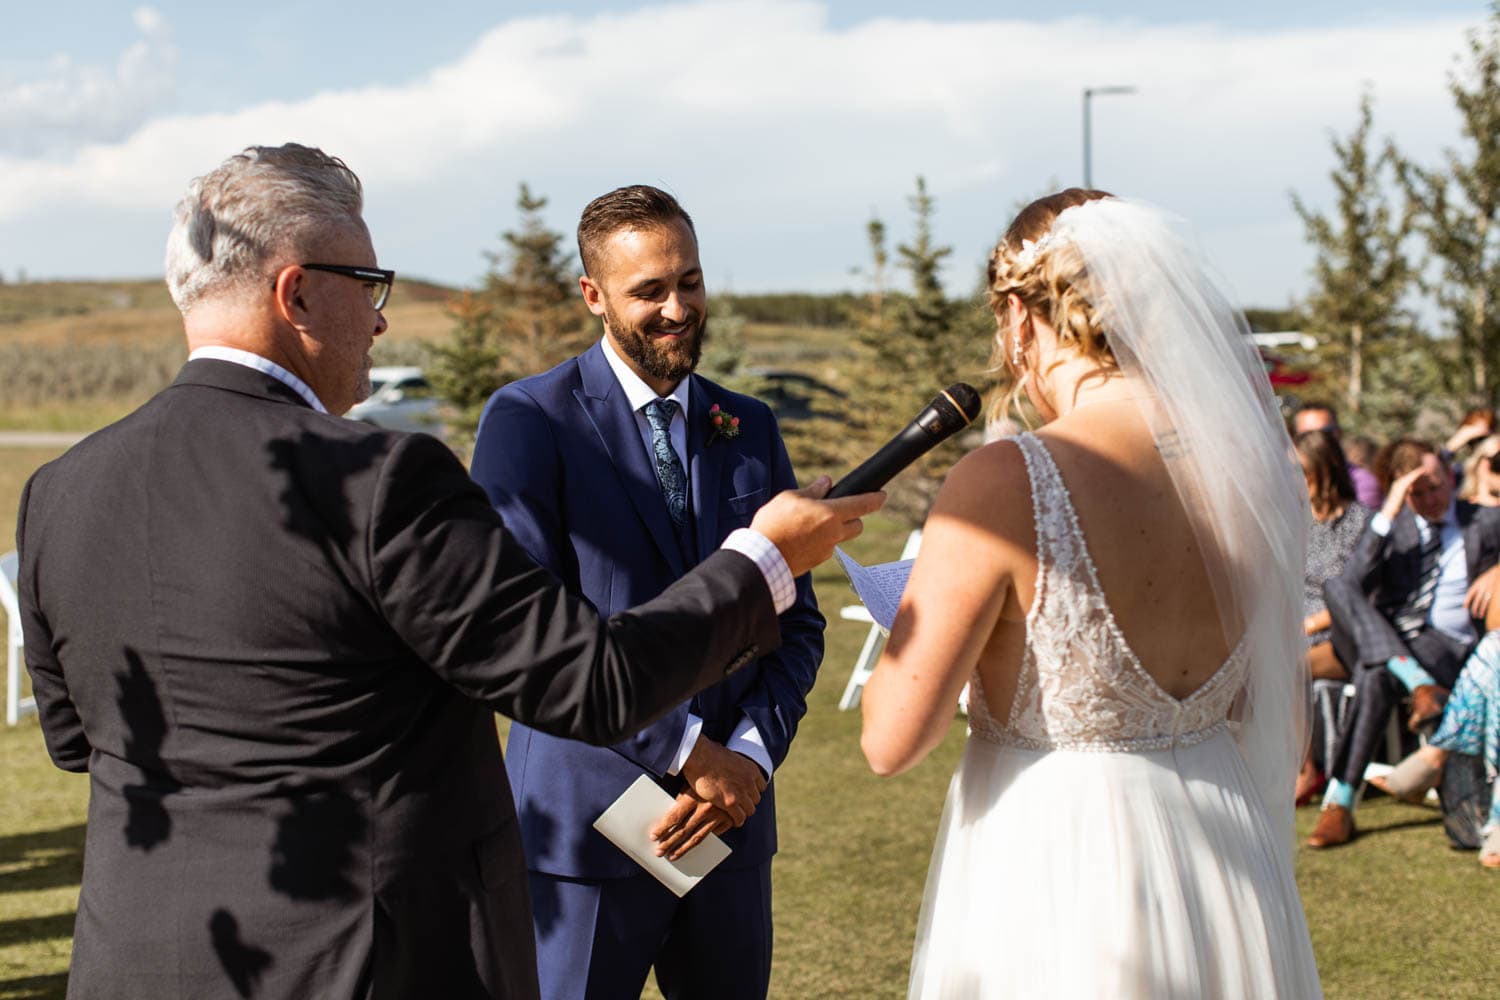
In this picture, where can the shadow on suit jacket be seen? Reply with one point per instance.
(561, 456)
(274, 639)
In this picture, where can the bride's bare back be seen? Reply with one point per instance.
(975, 581)
(1144, 549)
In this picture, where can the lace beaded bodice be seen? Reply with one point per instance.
(1081, 687)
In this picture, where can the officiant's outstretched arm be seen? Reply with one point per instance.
(275, 638)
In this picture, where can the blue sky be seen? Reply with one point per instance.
(782, 124)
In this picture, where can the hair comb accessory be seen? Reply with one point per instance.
(1031, 251)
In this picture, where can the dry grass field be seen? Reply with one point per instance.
(77, 355)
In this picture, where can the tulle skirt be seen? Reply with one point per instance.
(1109, 875)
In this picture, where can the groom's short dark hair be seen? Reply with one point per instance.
(638, 206)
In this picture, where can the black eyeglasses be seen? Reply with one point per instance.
(381, 281)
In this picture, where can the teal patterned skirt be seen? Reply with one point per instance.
(1471, 720)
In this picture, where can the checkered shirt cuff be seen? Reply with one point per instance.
(768, 559)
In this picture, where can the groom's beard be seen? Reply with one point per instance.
(668, 360)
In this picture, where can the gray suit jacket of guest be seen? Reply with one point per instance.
(274, 640)
(1383, 573)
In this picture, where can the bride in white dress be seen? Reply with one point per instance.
(1120, 590)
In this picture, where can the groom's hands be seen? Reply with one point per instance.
(723, 790)
(726, 779)
(686, 825)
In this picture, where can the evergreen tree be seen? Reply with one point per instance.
(1361, 274)
(909, 347)
(724, 351)
(1458, 205)
(465, 369)
(532, 287)
(879, 261)
(525, 317)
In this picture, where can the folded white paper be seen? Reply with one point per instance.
(628, 822)
(879, 587)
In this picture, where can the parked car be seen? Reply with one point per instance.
(402, 399)
(790, 394)
(1282, 373)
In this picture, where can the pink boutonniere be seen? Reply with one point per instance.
(722, 424)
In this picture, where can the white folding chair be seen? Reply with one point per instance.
(864, 664)
(15, 705)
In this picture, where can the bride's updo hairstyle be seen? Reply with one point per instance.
(1050, 279)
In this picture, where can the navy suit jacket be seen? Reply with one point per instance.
(561, 457)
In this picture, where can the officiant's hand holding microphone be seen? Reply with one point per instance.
(805, 526)
(791, 519)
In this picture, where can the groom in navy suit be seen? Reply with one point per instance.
(618, 470)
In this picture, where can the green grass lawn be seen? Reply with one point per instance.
(1397, 914)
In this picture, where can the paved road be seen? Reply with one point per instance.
(39, 439)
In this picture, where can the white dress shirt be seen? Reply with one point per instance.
(260, 364)
(1447, 613)
(745, 739)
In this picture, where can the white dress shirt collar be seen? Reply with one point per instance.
(636, 390)
(260, 364)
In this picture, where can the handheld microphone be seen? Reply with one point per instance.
(950, 412)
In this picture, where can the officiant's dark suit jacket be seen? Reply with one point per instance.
(274, 640)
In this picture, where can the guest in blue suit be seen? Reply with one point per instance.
(618, 470)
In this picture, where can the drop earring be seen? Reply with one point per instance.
(1016, 358)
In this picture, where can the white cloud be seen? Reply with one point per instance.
(66, 105)
(781, 133)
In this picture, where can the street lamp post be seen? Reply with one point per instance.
(1088, 139)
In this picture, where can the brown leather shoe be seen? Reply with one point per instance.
(1427, 702)
(1335, 827)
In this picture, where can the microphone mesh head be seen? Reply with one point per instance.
(966, 398)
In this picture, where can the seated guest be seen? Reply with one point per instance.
(1481, 482)
(1403, 614)
(1476, 425)
(1360, 450)
(1337, 523)
(1470, 725)
(1322, 416)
